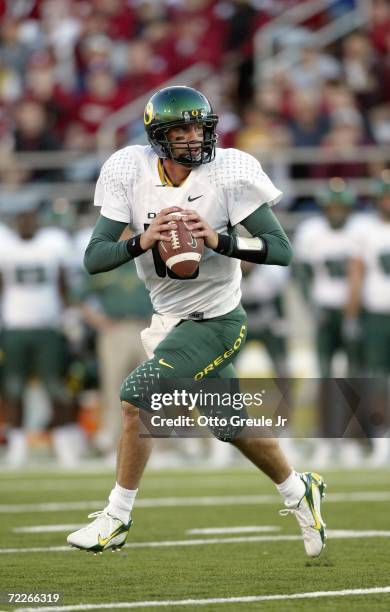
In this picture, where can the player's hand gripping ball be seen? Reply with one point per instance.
(183, 252)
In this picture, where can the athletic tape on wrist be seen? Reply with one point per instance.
(252, 249)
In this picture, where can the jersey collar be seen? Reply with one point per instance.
(164, 178)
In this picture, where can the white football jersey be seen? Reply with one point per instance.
(224, 192)
(30, 271)
(373, 247)
(79, 243)
(328, 251)
(264, 283)
(5, 232)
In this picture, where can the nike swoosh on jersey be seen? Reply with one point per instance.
(164, 363)
(193, 199)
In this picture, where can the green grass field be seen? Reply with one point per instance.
(163, 562)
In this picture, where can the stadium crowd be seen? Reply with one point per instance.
(66, 65)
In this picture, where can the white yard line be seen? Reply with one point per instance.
(79, 481)
(333, 534)
(49, 507)
(47, 528)
(26, 475)
(211, 601)
(58, 485)
(205, 531)
(220, 500)
(239, 529)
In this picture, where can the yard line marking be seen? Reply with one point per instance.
(206, 531)
(334, 534)
(206, 602)
(240, 529)
(220, 500)
(80, 480)
(36, 549)
(47, 528)
(153, 474)
(339, 534)
(58, 485)
(50, 506)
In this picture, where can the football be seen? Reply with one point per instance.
(183, 253)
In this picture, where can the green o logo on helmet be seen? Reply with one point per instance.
(148, 114)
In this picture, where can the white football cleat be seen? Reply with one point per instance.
(308, 514)
(104, 532)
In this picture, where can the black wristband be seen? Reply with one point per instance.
(133, 246)
(225, 244)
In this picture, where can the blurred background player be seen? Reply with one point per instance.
(323, 247)
(117, 307)
(5, 233)
(370, 291)
(263, 297)
(262, 290)
(33, 294)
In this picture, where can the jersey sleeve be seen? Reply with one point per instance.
(112, 188)
(247, 186)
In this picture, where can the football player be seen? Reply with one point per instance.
(5, 232)
(262, 298)
(323, 245)
(369, 277)
(116, 306)
(199, 324)
(32, 295)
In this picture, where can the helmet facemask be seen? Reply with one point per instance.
(188, 155)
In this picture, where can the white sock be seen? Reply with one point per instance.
(292, 489)
(121, 503)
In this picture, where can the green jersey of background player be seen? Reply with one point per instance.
(200, 319)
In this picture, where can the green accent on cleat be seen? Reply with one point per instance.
(308, 513)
